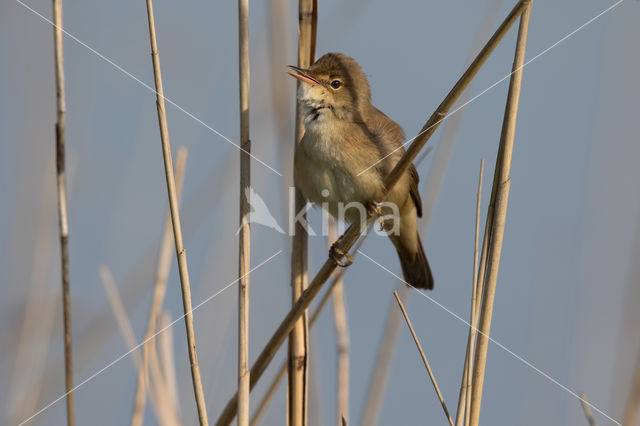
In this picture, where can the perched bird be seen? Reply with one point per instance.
(348, 148)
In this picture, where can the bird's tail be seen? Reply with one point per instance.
(416, 271)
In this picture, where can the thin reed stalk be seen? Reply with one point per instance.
(63, 221)
(424, 357)
(587, 410)
(500, 196)
(298, 349)
(115, 301)
(348, 239)
(463, 412)
(244, 237)
(382, 368)
(342, 338)
(167, 359)
(175, 220)
(157, 298)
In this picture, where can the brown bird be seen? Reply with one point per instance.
(348, 149)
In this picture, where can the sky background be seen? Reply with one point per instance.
(569, 280)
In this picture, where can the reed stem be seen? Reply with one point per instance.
(175, 220)
(500, 193)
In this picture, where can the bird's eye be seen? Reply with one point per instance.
(336, 84)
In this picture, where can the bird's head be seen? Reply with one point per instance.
(334, 84)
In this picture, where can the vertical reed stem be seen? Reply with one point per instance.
(501, 190)
(299, 339)
(175, 220)
(342, 337)
(63, 222)
(244, 246)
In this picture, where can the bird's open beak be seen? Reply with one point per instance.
(302, 75)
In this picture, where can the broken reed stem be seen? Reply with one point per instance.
(424, 357)
(63, 222)
(587, 411)
(631, 409)
(273, 387)
(501, 186)
(462, 413)
(175, 220)
(342, 337)
(244, 237)
(298, 348)
(348, 239)
(157, 298)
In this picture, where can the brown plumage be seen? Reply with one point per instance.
(344, 136)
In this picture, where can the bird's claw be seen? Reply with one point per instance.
(336, 254)
(375, 209)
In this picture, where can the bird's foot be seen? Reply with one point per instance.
(336, 254)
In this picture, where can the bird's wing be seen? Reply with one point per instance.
(413, 189)
(391, 135)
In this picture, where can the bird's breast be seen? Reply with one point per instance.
(327, 168)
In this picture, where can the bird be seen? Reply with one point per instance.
(348, 148)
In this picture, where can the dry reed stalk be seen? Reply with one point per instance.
(500, 193)
(175, 220)
(464, 398)
(298, 350)
(631, 409)
(160, 393)
(244, 237)
(120, 314)
(160, 404)
(273, 387)
(30, 356)
(348, 239)
(587, 410)
(424, 357)
(165, 347)
(157, 298)
(61, 109)
(342, 337)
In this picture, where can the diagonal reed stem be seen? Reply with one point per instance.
(63, 221)
(175, 220)
(348, 239)
(337, 277)
(424, 357)
(163, 267)
(499, 201)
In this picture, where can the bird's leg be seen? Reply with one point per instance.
(375, 209)
(336, 254)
